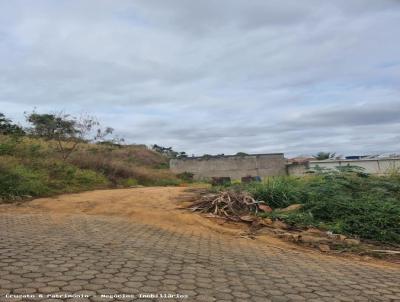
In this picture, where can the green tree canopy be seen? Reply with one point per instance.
(66, 130)
(51, 126)
(9, 128)
(324, 155)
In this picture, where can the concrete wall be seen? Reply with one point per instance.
(232, 166)
(379, 166)
(298, 169)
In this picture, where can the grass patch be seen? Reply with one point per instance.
(19, 180)
(348, 203)
(33, 167)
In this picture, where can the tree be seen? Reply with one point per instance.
(66, 130)
(52, 126)
(324, 155)
(182, 155)
(169, 152)
(8, 128)
(101, 137)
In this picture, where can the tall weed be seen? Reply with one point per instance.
(343, 202)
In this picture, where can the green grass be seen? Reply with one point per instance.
(348, 203)
(41, 178)
(280, 192)
(33, 167)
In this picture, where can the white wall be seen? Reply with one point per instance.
(372, 166)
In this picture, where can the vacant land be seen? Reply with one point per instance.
(136, 241)
(33, 167)
(160, 206)
(342, 202)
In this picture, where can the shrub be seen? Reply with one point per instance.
(32, 166)
(17, 181)
(117, 170)
(41, 177)
(186, 176)
(355, 205)
(278, 192)
(68, 178)
(342, 202)
(7, 145)
(165, 182)
(130, 182)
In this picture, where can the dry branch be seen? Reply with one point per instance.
(229, 204)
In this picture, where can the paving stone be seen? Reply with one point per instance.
(48, 289)
(24, 290)
(98, 255)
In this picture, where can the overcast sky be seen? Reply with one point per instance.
(211, 76)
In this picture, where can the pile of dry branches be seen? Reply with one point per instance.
(229, 204)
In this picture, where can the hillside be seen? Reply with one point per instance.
(31, 167)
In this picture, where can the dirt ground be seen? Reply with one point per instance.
(159, 206)
(163, 207)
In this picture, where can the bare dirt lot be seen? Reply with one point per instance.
(159, 206)
(140, 240)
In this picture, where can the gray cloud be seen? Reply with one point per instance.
(348, 116)
(211, 76)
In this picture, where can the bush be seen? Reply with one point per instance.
(130, 182)
(20, 178)
(67, 178)
(186, 176)
(278, 192)
(165, 182)
(119, 169)
(18, 181)
(356, 205)
(32, 166)
(342, 202)
(7, 145)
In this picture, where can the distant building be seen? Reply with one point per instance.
(378, 166)
(371, 165)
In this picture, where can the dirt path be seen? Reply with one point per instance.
(140, 241)
(157, 206)
(163, 207)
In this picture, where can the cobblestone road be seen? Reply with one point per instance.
(94, 255)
